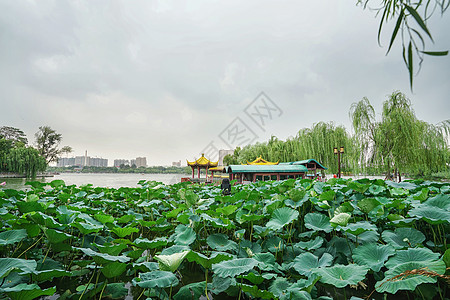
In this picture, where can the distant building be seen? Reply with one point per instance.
(133, 162)
(82, 161)
(118, 162)
(176, 164)
(222, 154)
(141, 162)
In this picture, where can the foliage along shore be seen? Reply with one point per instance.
(292, 239)
(126, 169)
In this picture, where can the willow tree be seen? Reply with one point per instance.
(399, 142)
(23, 160)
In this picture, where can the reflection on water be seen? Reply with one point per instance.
(100, 180)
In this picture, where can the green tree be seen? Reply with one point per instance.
(23, 160)
(399, 142)
(411, 21)
(15, 135)
(47, 143)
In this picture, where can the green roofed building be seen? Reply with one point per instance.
(265, 172)
(298, 169)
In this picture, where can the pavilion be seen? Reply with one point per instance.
(265, 172)
(261, 161)
(311, 164)
(201, 163)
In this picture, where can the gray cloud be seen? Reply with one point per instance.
(163, 78)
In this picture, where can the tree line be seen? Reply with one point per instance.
(16, 156)
(398, 143)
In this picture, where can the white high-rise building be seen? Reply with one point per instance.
(141, 162)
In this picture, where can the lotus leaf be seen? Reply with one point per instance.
(161, 279)
(342, 275)
(116, 290)
(183, 235)
(431, 214)
(56, 236)
(12, 236)
(220, 284)
(318, 222)
(8, 265)
(86, 228)
(403, 237)
(306, 262)
(266, 262)
(279, 286)
(220, 242)
(311, 244)
(27, 291)
(359, 187)
(104, 218)
(234, 267)
(207, 262)
(412, 255)
(102, 258)
(171, 262)
(256, 292)
(340, 219)
(191, 291)
(111, 249)
(44, 275)
(366, 205)
(359, 227)
(394, 282)
(124, 231)
(175, 249)
(113, 269)
(147, 244)
(26, 207)
(372, 255)
(282, 217)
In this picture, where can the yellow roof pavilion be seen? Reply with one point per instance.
(202, 162)
(261, 161)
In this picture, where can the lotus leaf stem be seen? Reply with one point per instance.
(30, 247)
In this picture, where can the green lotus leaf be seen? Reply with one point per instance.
(359, 227)
(26, 207)
(110, 249)
(340, 219)
(279, 286)
(207, 262)
(412, 255)
(218, 222)
(372, 255)
(401, 185)
(44, 275)
(274, 244)
(124, 231)
(12, 236)
(393, 281)
(403, 237)
(116, 290)
(147, 244)
(441, 201)
(171, 262)
(342, 275)
(8, 265)
(398, 192)
(306, 262)
(311, 244)
(327, 196)
(446, 258)
(183, 235)
(220, 284)
(359, 187)
(146, 266)
(376, 189)
(227, 210)
(113, 269)
(57, 183)
(104, 218)
(282, 217)
(256, 278)
(161, 279)
(27, 291)
(45, 220)
(175, 249)
(56, 236)
(366, 205)
(86, 228)
(365, 237)
(234, 267)
(266, 262)
(102, 258)
(431, 214)
(256, 292)
(318, 222)
(191, 291)
(220, 242)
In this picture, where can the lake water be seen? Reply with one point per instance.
(98, 180)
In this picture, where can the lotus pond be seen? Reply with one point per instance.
(269, 240)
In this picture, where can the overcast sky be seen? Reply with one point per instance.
(171, 79)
